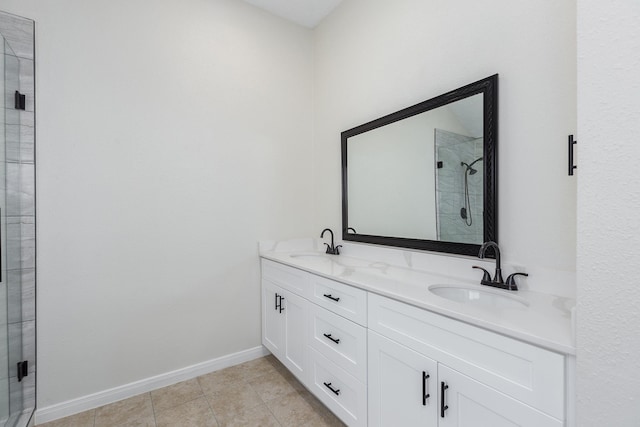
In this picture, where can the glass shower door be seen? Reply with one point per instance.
(17, 221)
(11, 396)
(4, 331)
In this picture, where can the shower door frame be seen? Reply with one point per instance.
(18, 219)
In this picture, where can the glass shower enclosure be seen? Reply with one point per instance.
(17, 222)
(459, 187)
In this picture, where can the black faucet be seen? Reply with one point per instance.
(497, 281)
(331, 250)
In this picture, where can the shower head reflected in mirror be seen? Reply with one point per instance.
(470, 168)
(465, 212)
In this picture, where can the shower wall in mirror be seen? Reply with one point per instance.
(459, 187)
(17, 227)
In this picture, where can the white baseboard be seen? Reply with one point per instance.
(95, 400)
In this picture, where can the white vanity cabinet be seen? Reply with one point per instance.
(338, 348)
(309, 324)
(469, 403)
(376, 361)
(284, 318)
(338, 362)
(476, 378)
(409, 389)
(402, 385)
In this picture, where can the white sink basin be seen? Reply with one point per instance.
(310, 255)
(342, 261)
(474, 295)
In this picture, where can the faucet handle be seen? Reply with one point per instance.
(511, 281)
(486, 278)
(337, 250)
(328, 251)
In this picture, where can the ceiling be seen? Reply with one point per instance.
(307, 13)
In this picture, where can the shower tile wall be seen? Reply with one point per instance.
(451, 150)
(20, 207)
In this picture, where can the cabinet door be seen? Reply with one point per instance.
(470, 403)
(295, 334)
(402, 385)
(272, 318)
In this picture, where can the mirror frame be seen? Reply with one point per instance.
(489, 88)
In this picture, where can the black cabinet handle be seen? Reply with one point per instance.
(425, 388)
(336, 392)
(572, 142)
(335, 340)
(279, 303)
(332, 297)
(443, 407)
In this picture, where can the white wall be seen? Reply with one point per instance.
(375, 57)
(608, 328)
(170, 138)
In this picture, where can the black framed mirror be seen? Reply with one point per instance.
(425, 177)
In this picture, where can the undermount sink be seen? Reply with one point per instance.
(478, 296)
(310, 255)
(338, 260)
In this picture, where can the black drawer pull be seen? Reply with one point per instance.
(336, 392)
(279, 306)
(425, 388)
(443, 407)
(335, 340)
(332, 297)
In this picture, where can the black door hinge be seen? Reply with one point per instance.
(23, 369)
(21, 101)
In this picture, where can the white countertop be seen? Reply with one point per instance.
(546, 321)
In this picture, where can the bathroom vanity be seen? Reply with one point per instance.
(409, 338)
(388, 345)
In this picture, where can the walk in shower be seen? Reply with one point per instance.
(17, 222)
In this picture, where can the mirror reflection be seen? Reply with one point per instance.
(419, 175)
(422, 172)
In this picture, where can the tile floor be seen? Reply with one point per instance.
(257, 393)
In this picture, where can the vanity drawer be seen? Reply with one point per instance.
(340, 340)
(292, 279)
(342, 393)
(525, 372)
(342, 299)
